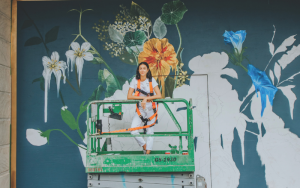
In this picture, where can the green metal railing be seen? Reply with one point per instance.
(93, 139)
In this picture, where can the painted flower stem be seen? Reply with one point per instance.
(79, 132)
(62, 99)
(108, 68)
(180, 41)
(48, 51)
(243, 67)
(67, 137)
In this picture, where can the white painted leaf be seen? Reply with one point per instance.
(289, 56)
(115, 35)
(292, 77)
(271, 47)
(159, 28)
(137, 48)
(277, 71)
(230, 72)
(34, 137)
(287, 42)
(290, 95)
(271, 76)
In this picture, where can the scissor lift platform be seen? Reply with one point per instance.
(128, 163)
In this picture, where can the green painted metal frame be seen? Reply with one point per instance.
(98, 161)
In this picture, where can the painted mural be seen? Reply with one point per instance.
(244, 92)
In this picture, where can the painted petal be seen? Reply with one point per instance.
(263, 84)
(34, 137)
(55, 56)
(63, 67)
(88, 56)
(242, 35)
(57, 74)
(227, 35)
(46, 60)
(70, 57)
(144, 57)
(79, 64)
(290, 95)
(75, 46)
(85, 46)
(150, 46)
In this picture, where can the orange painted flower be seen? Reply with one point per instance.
(160, 55)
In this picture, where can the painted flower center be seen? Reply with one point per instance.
(79, 53)
(52, 65)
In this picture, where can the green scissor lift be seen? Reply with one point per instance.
(105, 162)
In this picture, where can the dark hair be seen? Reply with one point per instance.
(148, 75)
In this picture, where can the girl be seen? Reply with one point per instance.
(143, 75)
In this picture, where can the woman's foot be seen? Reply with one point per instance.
(148, 152)
(144, 148)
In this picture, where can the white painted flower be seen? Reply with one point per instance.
(56, 67)
(78, 55)
(64, 108)
(34, 137)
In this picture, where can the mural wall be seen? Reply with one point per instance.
(238, 62)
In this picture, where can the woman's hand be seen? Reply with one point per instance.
(143, 103)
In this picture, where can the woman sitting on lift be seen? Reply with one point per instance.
(146, 112)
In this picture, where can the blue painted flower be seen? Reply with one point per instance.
(263, 84)
(235, 39)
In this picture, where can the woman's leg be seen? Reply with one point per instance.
(150, 130)
(136, 122)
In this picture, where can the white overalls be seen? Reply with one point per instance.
(146, 113)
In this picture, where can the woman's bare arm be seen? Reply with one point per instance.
(132, 97)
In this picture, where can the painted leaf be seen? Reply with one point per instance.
(271, 48)
(230, 72)
(51, 35)
(287, 42)
(33, 41)
(127, 57)
(69, 119)
(271, 76)
(159, 29)
(100, 76)
(262, 83)
(169, 86)
(134, 38)
(26, 24)
(277, 71)
(121, 80)
(97, 60)
(111, 86)
(42, 82)
(137, 11)
(173, 12)
(96, 93)
(92, 52)
(137, 49)
(82, 109)
(290, 95)
(292, 77)
(289, 56)
(115, 35)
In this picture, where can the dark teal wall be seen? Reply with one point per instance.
(59, 164)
